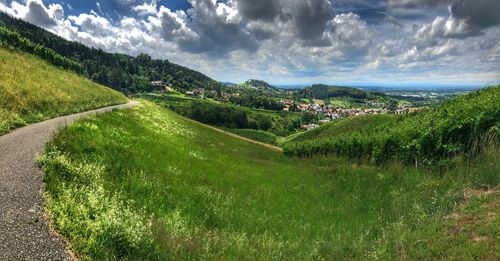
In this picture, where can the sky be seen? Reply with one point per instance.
(291, 42)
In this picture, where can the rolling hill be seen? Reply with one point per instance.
(427, 137)
(321, 91)
(33, 90)
(258, 85)
(148, 184)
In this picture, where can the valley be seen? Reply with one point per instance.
(126, 155)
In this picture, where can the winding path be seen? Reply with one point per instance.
(24, 230)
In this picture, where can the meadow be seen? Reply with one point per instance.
(33, 90)
(146, 183)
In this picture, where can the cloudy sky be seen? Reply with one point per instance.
(400, 42)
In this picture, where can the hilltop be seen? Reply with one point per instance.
(258, 84)
(322, 91)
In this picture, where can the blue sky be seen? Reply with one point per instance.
(288, 42)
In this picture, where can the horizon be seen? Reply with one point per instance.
(291, 43)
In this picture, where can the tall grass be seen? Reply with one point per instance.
(33, 90)
(146, 183)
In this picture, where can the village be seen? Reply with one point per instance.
(327, 113)
(331, 112)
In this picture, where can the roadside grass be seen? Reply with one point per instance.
(33, 90)
(146, 183)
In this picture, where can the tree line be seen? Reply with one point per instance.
(14, 40)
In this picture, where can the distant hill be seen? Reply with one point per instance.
(258, 84)
(228, 83)
(121, 72)
(321, 91)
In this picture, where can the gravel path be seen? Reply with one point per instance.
(24, 231)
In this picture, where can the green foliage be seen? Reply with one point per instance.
(428, 137)
(344, 127)
(321, 91)
(10, 39)
(257, 135)
(121, 72)
(147, 184)
(258, 84)
(33, 90)
(230, 116)
(257, 101)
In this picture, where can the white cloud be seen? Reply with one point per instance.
(238, 39)
(35, 12)
(146, 9)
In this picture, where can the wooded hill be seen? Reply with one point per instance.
(321, 91)
(121, 72)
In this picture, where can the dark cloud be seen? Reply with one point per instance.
(264, 10)
(218, 33)
(39, 15)
(478, 14)
(310, 18)
(307, 17)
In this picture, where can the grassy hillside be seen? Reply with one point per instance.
(229, 115)
(345, 127)
(257, 135)
(432, 136)
(119, 71)
(33, 90)
(148, 184)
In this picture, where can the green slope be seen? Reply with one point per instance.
(33, 90)
(148, 184)
(430, 137)
(118, 71)
(345, 127)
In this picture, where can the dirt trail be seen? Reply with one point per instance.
(24, 230)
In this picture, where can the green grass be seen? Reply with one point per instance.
(257, 135)
(278, 122)
(33, 90)
(345, 126)
(148, 184)
(429, 137)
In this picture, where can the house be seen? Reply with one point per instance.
(190, 93)
(325, 120)
(310, 126)
(158, 86)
